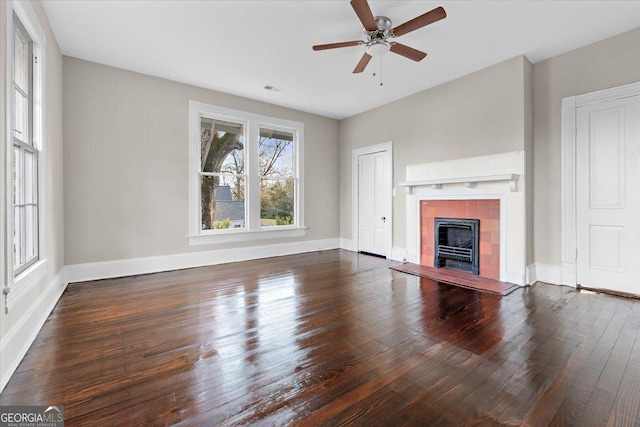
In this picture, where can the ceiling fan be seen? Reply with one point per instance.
(379, 31)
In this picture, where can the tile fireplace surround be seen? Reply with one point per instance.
(454, 185)
(487, 211)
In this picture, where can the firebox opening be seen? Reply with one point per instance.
(456, 244)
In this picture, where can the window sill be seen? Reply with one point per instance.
(245, 236)
(24, 281)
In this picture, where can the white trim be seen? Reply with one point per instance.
(546, 273)
(568, 275)
(252, 123)
(568, 271)
(134, 266)
(245, 236)
(568, 187)
(399, 254)
(29, 20)
(531, 274)
(469, 181)
(348, 245)
(16, 342)
(25, 281)
(371, 149)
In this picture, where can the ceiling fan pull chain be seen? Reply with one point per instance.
(381, 71)
(376, 58)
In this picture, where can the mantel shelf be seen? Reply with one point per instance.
(469, 181)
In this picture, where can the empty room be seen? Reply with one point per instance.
(320, 212)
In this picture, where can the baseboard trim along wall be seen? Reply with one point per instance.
(399, 254)
(15, 344)
(348, 244)
(546, 273)
(134, 266)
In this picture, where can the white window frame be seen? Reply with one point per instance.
(18, 286)
(252, 124)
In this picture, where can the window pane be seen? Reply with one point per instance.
(222, 202)
(17, 249)
(29, 177)
(30, 227)
(20, 64)
(221, 146)
(17, 176)
(277, 202)
(276, 153)
(20, 117)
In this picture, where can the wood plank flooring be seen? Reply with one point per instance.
(331, 338)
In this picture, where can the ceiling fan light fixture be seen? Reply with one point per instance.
(377, 47)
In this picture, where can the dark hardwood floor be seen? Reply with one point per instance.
(331, 338)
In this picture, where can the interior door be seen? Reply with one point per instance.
(608, 195)
(374, 203)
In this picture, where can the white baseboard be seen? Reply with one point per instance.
(569, 275)
(547, 273)
(134, 266)
(399, 254)
(532, 277)
(17, 341)
(348, 244)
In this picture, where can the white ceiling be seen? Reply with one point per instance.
(238, 47)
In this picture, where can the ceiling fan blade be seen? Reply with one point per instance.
(337, 45)
(407, 52)
(364, 61)
(421, 21)
(362, 9)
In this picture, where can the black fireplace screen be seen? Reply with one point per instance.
(456, 244)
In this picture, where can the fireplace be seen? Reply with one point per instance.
(487, 227)
(489, 188)
(456, 242)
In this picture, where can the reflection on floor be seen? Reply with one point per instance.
(330, 338)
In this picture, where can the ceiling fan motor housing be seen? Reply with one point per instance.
(377, 43)
(384, 23)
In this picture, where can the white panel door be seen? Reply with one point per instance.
(374, 203)
(608, 195)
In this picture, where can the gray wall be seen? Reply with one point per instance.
(529, 153)
(481, 113)
(51, 181)
(609, 63)
(126, 164)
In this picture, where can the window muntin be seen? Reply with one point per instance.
(277, 168)
(25, 154)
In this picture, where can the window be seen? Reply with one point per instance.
(277, 177)
(222, 177)
(246, 176)
(24, 153)
(21, 152)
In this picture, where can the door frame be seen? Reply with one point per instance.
(355, 192)
(569, 272)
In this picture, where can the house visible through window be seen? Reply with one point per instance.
(246, 175)
(24, 153)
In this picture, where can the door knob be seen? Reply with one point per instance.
(384, 219)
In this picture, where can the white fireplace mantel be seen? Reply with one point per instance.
(469, 181)
(497, 176)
